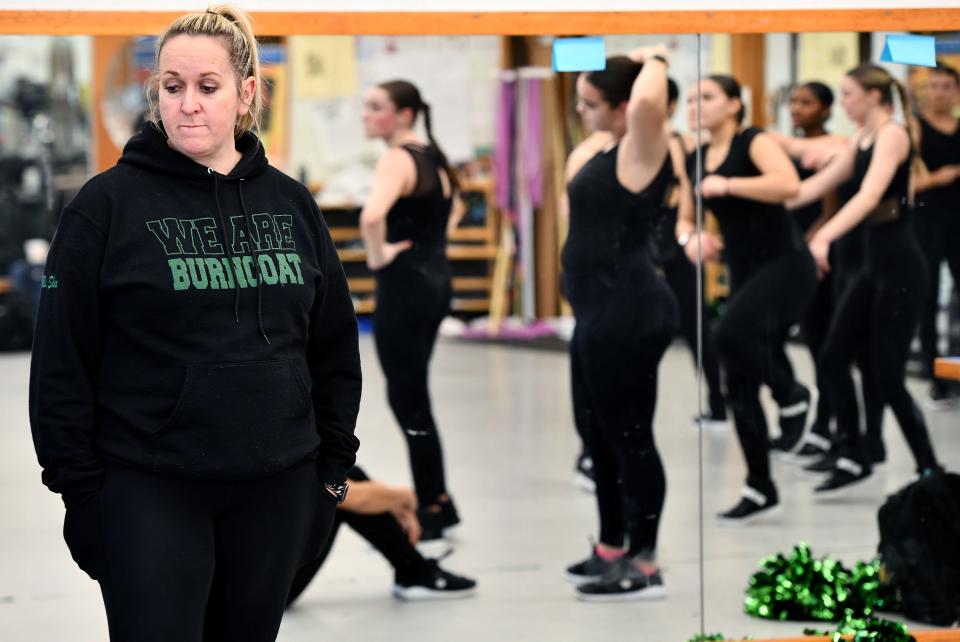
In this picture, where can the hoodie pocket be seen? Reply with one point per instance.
(236, 414)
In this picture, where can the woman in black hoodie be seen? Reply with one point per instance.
(196, 376)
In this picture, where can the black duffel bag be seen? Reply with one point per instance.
(920, 547)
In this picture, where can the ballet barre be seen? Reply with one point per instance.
(947, 368)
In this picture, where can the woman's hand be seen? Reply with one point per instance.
(387, 254)
(714, 186)
(945, 175)
(820, 249)
(642, 54)
(818, 156)
(407, 518)
(710, 247)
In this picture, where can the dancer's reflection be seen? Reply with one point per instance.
(884, 299)
(625, 317)
(747, 177)
(937, 221)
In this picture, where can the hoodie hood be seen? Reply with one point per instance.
(149, 149)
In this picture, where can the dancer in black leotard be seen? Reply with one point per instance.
(884, 298)
(747, 178)
(404, 224)
(937, 220)
(625, 318)
(810, 105)
(681, 276)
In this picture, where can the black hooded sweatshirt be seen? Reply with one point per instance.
(192, 324)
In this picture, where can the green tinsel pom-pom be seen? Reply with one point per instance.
(707, 638)
(872, 630)
(800, 587)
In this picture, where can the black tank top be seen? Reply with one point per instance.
(807, 215)
(898, 189)
(610, 225)
(754, 233)
(847, 252)
(938, 149)
(422, 217)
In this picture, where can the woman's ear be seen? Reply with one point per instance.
(247, 91)
(406, 117)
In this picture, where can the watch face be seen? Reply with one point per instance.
(339, 491)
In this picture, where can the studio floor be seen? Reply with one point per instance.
(506, 423)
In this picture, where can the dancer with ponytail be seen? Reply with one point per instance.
(404, 225)
(625, 317)
(810, 108)
(884, 299)
(196, 372)
(747, 178)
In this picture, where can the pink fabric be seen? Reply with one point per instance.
(503, 147)
(532, 144)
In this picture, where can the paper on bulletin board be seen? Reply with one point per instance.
(827, 56)
(447, 87)
(324, 66)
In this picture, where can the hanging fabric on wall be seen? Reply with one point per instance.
(518, 169)
(503, 147)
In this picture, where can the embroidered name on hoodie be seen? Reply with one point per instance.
(198, 259)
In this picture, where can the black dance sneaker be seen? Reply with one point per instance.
(431, 525)
(584, 475)
(449, 515)
(753, 505)
(874, 449)
(590, 569)
(940, 397)
(624, 582)
(711, 421)
(822, 466)
(793, 420)
(431, 582)
(813, 447)
(846, 473)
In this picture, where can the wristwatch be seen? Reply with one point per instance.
(339, 491)
(684, 238)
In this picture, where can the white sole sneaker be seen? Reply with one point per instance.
(773, 511)
(584, 483)
(650, 594)
(717, 425)
(580, 580)
(424, 594)
(842, 490)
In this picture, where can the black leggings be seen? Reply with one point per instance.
(750, 338)
(382, 531)
(816, 326)
(681, 276)
(412, 300)
(883, 303)
(193, 560)
(938, 232)
(625, 322)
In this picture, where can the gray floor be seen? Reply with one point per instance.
(506, 422)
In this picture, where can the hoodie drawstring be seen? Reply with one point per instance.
(227, 244)
(256, 261)
(247, 221)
